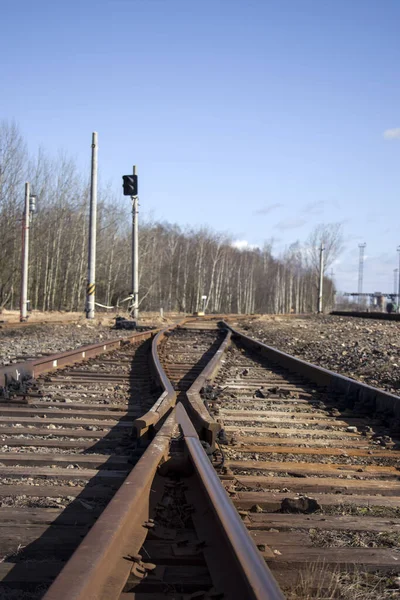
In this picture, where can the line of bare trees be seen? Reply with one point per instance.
(177, 266)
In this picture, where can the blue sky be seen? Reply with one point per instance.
(260, 118)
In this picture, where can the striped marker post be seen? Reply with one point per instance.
(92, 234)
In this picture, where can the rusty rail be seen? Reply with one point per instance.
(256, 579)
(100, 566)
(148, 422)
(365, 396)
(167, 400)
(366, 315)
(205, 424)
(98, 569)
(33, 368)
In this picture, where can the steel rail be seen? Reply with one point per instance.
(146, 423)
(367, 397)
(98, 569)
(366, 315)
(205, 424)
(38, 366)
(258, 579)
(203, 420)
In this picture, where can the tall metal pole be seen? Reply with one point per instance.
(333, 288)
(395, 281)
(398, 289)
(25, 256)
(360, 271)
(91, 286)
(321, 277)
(135, 254)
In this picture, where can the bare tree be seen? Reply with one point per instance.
(177, 266)
(331, 237)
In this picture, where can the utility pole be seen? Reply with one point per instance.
(321, 277)
(395, 281)
(91, 286)
(360, 271)
(29, 209)
(135, 253)
(333, 288)
(131, 189)
(398, 289)
(25, 256)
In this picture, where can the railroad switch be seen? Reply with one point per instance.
(16, 387)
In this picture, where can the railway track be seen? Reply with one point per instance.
(367, 315)
(308, 458)
(170, 530)
(312, 464)
(65, 448)
(186, 352)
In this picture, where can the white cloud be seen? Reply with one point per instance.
(314, 208)
(392, 134)
(290, 223)
(243, 245)
(268, 209)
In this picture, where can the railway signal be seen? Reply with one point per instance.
(130, 185)
(29, 210)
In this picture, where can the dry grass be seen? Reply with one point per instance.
(362, 511)
(354, 539)
(318, 581)
(102, 317)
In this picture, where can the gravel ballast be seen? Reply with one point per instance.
(38, 340)
(365, 350)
